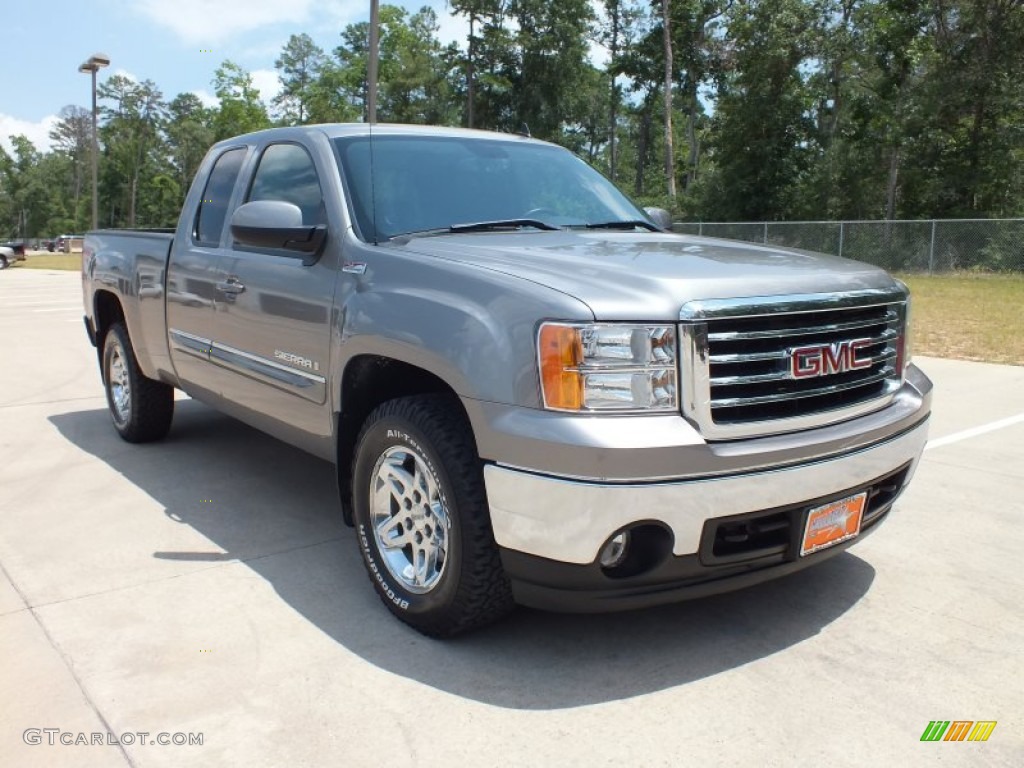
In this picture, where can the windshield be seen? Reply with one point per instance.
(424, 183)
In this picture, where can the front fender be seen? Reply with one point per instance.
(471, 327)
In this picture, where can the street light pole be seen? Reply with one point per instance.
(95, 157)
(93, 65)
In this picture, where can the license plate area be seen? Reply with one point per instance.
(832, 523)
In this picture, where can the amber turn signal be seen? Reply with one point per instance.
(561, 351)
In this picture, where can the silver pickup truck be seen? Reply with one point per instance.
(532, 393)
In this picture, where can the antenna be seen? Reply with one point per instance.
(373, 190)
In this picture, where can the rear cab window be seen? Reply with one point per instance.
(213, 207)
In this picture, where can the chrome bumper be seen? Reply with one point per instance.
(569, 520)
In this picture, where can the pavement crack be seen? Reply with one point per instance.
(67, 663)
(30, 403)
(215, 566)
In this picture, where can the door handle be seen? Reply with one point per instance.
(231, 286)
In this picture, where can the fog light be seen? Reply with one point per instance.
(614, 552)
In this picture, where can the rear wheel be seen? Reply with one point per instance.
(3, 261)
(422, 520)
(141, 408)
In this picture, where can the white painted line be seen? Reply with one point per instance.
(956, 437)
(20, 304)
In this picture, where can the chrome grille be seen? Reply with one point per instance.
(777, 364)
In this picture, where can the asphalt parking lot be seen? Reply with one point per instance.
(205, 585)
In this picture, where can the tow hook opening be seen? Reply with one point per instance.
(634, 550)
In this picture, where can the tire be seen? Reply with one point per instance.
(423, 449)
(3, 261)
(141, 408)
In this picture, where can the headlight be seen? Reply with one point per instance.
(608, 367)
(903, 345)
(907, 355)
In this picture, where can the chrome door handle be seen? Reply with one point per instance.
(231, 285)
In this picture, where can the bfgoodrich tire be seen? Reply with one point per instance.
(141, 408)
(422, 520)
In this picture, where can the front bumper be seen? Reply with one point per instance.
(551, 529)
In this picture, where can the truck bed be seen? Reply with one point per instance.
(131, 263)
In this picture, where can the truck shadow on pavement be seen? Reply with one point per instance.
(275, 509)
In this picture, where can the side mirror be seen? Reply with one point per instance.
(275, 224)
(661, 218)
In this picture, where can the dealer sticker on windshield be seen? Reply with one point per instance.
(833, 523)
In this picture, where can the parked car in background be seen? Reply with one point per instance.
(10, 253)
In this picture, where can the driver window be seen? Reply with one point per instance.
(286, 172)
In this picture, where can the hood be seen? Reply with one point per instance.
(649, 276)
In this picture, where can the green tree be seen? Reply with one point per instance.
(415, 86)
(550, 64)
(968, 162)
(763, 131)
(32, 191)
(300, 66)
(241, 110)
(617, 32)
(71, 139)
(489, 58)
(415, 80)
(189, 131)
(131, 139)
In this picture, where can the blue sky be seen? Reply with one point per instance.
(162, 40)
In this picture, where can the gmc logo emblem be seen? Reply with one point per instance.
(827, 359)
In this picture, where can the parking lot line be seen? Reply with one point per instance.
(965, 434)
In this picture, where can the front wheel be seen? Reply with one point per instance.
(141, 408)
(422, 520)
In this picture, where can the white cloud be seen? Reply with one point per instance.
(202, 22)
(599, 55)
(208, 99)
(126, 74)
(267, 83)
(338, 14)
(452, 29)
(38, 133)
(207, 23)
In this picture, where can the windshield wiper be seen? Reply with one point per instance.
(499, 224)
(477, 226)
(628, 224)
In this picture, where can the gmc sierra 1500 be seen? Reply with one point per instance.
(531, 392)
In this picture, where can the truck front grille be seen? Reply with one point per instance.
(785, 363)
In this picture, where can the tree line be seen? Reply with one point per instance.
(721, 110)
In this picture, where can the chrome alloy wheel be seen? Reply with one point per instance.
(119, 383)
(409, 519)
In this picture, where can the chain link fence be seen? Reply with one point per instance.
(948, 245)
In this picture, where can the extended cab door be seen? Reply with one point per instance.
(272, 325)
(193, 272)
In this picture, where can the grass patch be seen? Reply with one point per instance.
(71, 262)
(968, 317)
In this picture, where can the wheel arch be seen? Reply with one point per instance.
(107, 310)
(367, 381)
